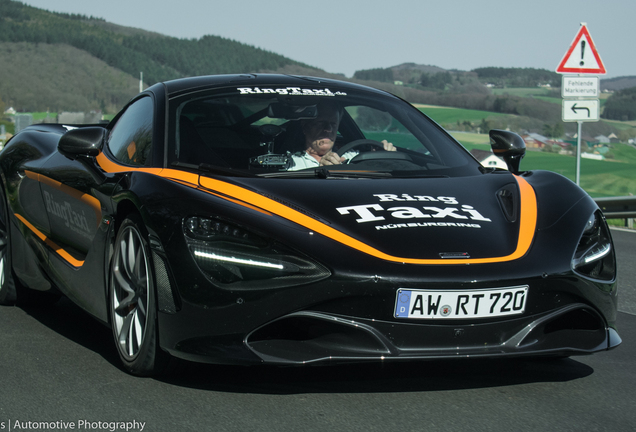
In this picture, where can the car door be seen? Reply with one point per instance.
(71, 201)
(76, 195)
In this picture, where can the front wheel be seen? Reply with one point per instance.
(132, 304)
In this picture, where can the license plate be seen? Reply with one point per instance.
(460, 304)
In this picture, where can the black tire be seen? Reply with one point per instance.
(132, 301)
(8, 294)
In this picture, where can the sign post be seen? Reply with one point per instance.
(579, 130)
(580, 93)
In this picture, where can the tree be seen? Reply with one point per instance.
(378, 74)
(371, 119)
(484, 126)
(553, 131)
(437, 80)
(626, 134)
(518, 77)
(621, 105)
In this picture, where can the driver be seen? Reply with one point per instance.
(320, 136)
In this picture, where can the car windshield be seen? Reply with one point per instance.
(287, 131)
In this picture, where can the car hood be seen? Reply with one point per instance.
(485, 218)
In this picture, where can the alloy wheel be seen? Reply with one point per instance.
(130, 284)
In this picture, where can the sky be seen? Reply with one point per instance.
(342, 36)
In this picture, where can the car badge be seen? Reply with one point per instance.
(454, 255)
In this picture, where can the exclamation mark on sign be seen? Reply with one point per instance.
(582, 52)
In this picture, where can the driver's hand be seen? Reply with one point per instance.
(388, 146)
(331, 158)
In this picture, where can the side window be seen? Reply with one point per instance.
(130, 140)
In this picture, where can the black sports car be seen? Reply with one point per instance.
(251, 219)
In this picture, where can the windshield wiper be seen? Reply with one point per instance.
(352, 174)
(491, 170)
(324, 173)
(417, 174)
(212, 169)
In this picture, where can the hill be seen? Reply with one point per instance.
(38, 77)
(619, 83)
(465, 90)
(93, 49)
(531, 97)
(159, 57)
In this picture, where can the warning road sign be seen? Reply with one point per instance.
(582, 56)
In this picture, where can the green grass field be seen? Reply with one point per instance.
(621, 124)
(615, 177)
(39, 117)
(472, 140)
(553, 100)
(444, 115)
(522, 92)
(543, 94)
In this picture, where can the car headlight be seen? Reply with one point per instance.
(235, 258)
(594, 255)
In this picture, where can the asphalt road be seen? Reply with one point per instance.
(58, 366)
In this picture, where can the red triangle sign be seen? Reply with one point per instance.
(582, 56)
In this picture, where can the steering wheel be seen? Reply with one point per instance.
(359, 142)
(372, 155)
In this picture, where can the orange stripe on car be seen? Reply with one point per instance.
(50, 243)
(527, 224)
(183, 177)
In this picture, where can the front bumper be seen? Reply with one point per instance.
(354, 323)
(309, 337)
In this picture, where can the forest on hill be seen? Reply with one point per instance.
(160, 57)
(621, 106)
(437, 78)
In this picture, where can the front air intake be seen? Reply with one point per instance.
(165, 297)
(307, 337)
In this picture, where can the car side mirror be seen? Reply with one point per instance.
(83, 141)
(509, 146)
